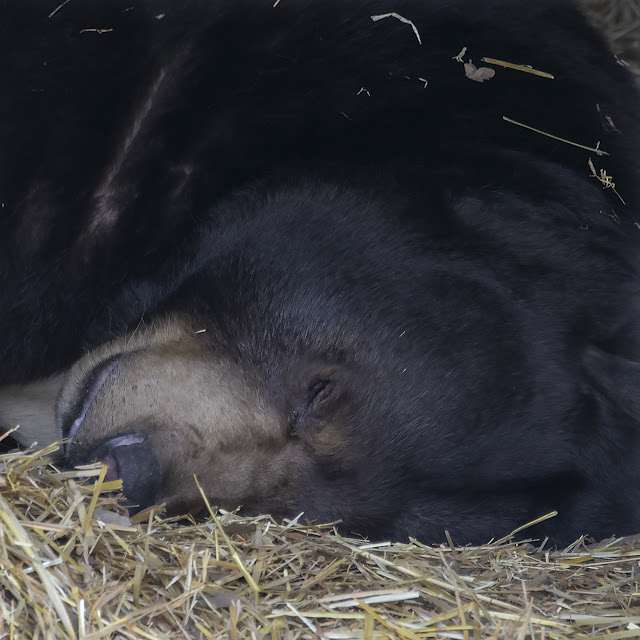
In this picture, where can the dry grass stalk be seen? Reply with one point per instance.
(73, 565)
(620, 20)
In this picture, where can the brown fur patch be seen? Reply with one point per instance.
(199, 413)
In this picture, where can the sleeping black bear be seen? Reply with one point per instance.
(375, 261)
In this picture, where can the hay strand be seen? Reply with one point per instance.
(74, 565)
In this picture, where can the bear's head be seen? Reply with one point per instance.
(333, 363)
(338, 364)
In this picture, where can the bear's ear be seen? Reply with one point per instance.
(616, 377)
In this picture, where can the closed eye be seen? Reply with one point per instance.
(319, 391)
(317, 394)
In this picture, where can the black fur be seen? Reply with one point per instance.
(284, 175)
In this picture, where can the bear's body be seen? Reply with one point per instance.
(310, 261)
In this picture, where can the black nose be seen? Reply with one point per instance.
(130, 458)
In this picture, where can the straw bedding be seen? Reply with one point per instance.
(620, 20)
(74, 565)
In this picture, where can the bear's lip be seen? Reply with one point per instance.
(90, 386)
